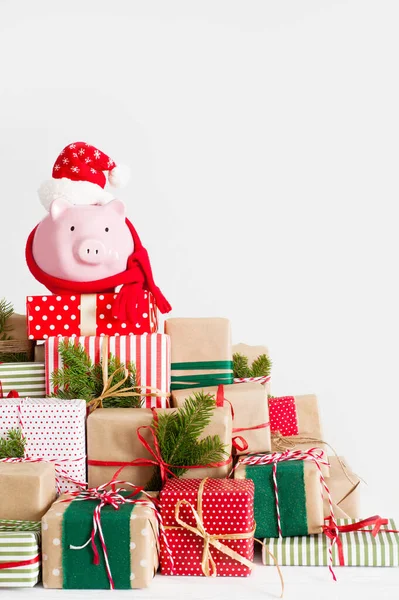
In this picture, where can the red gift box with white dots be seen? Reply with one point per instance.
(282, 415)
(227, 508)
(54, 430)
(62, 315)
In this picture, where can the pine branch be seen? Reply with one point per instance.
(6, 310)
(240, 365)
(80, 378)
(13, 445)
(261, 366)
(178, 432)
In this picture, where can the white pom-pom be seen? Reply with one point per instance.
(119, 176)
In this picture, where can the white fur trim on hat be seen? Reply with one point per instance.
(119, 176)
(77, 192)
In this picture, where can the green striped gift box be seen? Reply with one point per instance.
(28, 379)
(360, 548)
(19, 541)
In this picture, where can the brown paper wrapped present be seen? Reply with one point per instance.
(252, 353)
(251, 415)
(131, 539)
(112, 437)
(344, 489)
(27, 490)
(201, 352)
(295, 424)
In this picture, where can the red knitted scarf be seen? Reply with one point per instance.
(136, 277)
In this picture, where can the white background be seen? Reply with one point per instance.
(263, 141)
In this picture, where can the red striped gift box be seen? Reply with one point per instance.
(150, 353)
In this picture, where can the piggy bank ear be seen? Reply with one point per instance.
(58, 207)
(117, 206)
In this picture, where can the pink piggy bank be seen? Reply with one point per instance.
(86, 245)
(83, 243)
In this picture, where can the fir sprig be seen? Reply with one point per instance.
(261, 366)
(13, 444)
(178, 431)
(80, 378)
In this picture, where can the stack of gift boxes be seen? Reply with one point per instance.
(277, 482)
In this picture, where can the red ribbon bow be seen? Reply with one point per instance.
(11, 393)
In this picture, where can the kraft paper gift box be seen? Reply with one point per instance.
(296, 418)
(54, 430)
(299, 495)
(27, 378)
(201, 352)
(27, 490)
(20, 542)
(85, 314)
(130, 535)
(252, 353)
(360, 548)
(225, 507)
(112, 438)
(149, 353)
(345, 492)
(249, 406)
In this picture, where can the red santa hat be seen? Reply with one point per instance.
(78, 175)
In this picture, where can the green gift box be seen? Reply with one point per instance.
(19, 553)
(299, 497)
(28, 379)
(360, 548)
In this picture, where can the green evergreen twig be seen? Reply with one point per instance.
(13, 445)
(261, 366)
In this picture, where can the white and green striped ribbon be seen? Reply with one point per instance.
(361, 548)
(28, 379)
(19, 540)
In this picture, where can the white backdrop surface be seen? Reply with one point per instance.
(263, 142)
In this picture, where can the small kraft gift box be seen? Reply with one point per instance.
(113, 444)
(252, 353)
(27, 489)
(85, 314)
(295, 425)
(126, 533)
(209, 525)
(344, 486)
(201, 352)
(150, 355)
(54, 430)
(20, 555)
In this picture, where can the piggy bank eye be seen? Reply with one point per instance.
(107, 229)
(73, 228)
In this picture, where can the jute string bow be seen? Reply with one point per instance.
(111, 390)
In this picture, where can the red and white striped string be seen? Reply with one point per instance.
(114, 498)
(262, 379)
(314, 455)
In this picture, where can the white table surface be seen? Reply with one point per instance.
(310, 583)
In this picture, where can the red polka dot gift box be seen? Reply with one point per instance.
(209, 525)
(295, 424)
(86, 314)
(55, 431)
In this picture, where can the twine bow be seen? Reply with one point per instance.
(208, 564)
(115, 499)
(281, 443)
(113, 390)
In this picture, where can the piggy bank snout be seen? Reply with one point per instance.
(91, 251)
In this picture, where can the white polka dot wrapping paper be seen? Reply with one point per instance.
(55, 430)
(150, 353)
(86, 314)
